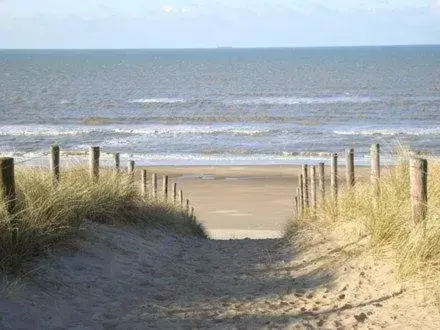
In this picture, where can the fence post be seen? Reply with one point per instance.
(7, 183)
(94, 163)
(375, 168)
(334, 176)
(174, 192)
(296, 207)
(131, 167)
(418, 168)
(192, 212)
(181, 198)
(165, 187)
(305, 170)
(117, 162)
(301, 192)
(154, 185)
(313, 187)
(187, 206)
(55, 163)
(350, 168)
(321, 174)
(144, 186)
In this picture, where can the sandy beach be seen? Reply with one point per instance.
(242, 201)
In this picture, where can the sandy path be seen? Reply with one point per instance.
(124, 279)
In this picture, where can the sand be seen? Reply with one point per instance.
(241, 201)
(133, 278)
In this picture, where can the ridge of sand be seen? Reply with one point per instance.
(127, 278)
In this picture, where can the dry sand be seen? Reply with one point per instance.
(241, 201)
(114, 278)
(128, 278)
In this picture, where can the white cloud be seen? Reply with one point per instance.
(173, 9)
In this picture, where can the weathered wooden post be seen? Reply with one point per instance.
(375, 168)
(165, 187)
(296, 208)
(181, 198)
(298, 201)
(154, 185)
(313, 188)
(321, 174)
(349, 153)
(7, 183)
(144, 187)
(117, 162)
(419, 188)
(334, 176)
(305, 173)
(94, 163)
(174, 192)
(301, 192)
(187, 206)
(192, 213)
(131, 169)
(55, 164)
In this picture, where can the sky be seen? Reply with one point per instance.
(212, 23)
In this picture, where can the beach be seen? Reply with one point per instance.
(242, 201)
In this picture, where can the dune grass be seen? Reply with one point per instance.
(387, 219)
(45, 213)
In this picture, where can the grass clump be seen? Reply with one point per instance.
(45, 214)
(387, 219)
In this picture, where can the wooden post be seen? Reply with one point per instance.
(419, 188)
(117, 162)
(296, 208)
(334, 176)
(131, 167)
(313, 187)
(187, 206)
(375, 168)
(321, 174)
(55, 163)
(94, 163)
(7, 183)
(301, 192)
(165, 187)
(181, 198)
(154, 185)
(144, 186)
(174, 192)
(192, 213)
(305, 172)
(350, 168)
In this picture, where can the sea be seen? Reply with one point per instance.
(222, 106)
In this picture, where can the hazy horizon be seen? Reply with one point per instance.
(206, 24)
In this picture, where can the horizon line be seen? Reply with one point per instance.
(232, 47)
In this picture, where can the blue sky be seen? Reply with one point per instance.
(211, 23)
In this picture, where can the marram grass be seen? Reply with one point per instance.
(45, 214)
(387, 219)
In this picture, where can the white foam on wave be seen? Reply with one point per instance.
(303, 100)
(143, 130)
(164, 100)
(390, 131)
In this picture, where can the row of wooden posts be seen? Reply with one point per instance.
(307, 196)
(7, 179)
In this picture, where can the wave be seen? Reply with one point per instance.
(147, 130)
(163, 100)
(391, 131)
(303, 100)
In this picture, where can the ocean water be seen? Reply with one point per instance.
(221, 106)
